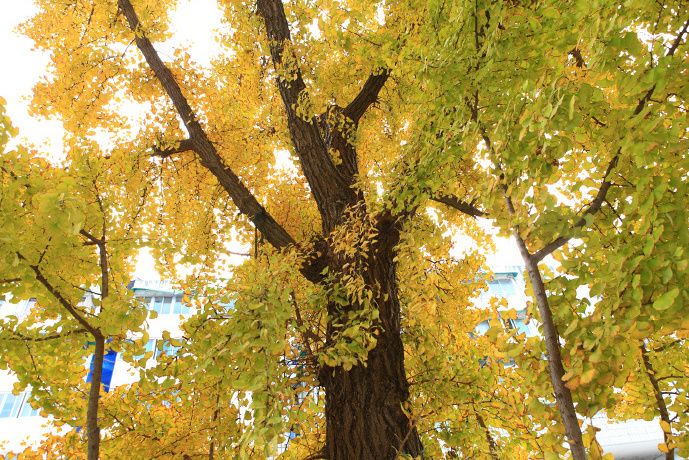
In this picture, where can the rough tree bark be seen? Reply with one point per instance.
(364, 406)
(492, 448)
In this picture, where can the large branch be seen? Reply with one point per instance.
(331, 189)
(598, 201)
(184, 145)
(460, 205)
(593, 208)
(204, 148)
(40, 277)
(44, 338)
(102, 261)
(367, 96)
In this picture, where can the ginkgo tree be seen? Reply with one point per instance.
(567, 138)
(348, 247)
(351, 328)
(66, 239)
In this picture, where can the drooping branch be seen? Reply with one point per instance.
(45, 338)
(600, 197)
(367, 96)
(678, 39)
(658, 394)
(10, 280)
(102, 261)
(199, 142)
(592, 209)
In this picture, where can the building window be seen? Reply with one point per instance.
(10, 404)
(482, 327)
(162, 305)
(502, 287)
(27, 410)
(166, 305)
(179, 307)
(520, 325)
(149, 348)
(169, 349)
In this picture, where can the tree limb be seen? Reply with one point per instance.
(10, 280)
(460, 205)
(60, 298)
(331, 189)
(598, 201)
(102, 261)
(678, 39)
(25, 338)
(367, 96)
(204, 148)
(593, 208)
(183, 146)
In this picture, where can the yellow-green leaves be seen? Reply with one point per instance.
(666, 300)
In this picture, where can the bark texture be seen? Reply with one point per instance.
(492, 448)
(364, 406)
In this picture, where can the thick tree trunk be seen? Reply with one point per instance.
(92, 429)
(660, 402)
(364, 413)
(364, 406)
(563, 397)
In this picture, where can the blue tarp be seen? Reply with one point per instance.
(108, 367)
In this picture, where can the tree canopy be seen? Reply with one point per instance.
(365, 152)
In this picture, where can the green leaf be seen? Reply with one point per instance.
(666, 300)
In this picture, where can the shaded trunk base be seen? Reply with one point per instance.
(364, 412)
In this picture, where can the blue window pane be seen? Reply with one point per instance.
(109, 361)
(166, 307)
(10, 405)
(507, 287)
(521, 326)
(482, 327)
(27, 410)
(149, 347)
(502, 288)
(495, 289)
(177, 305)
(158, 304)
(169, 349)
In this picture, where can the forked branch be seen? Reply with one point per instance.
(204, 148)
(367, 96)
